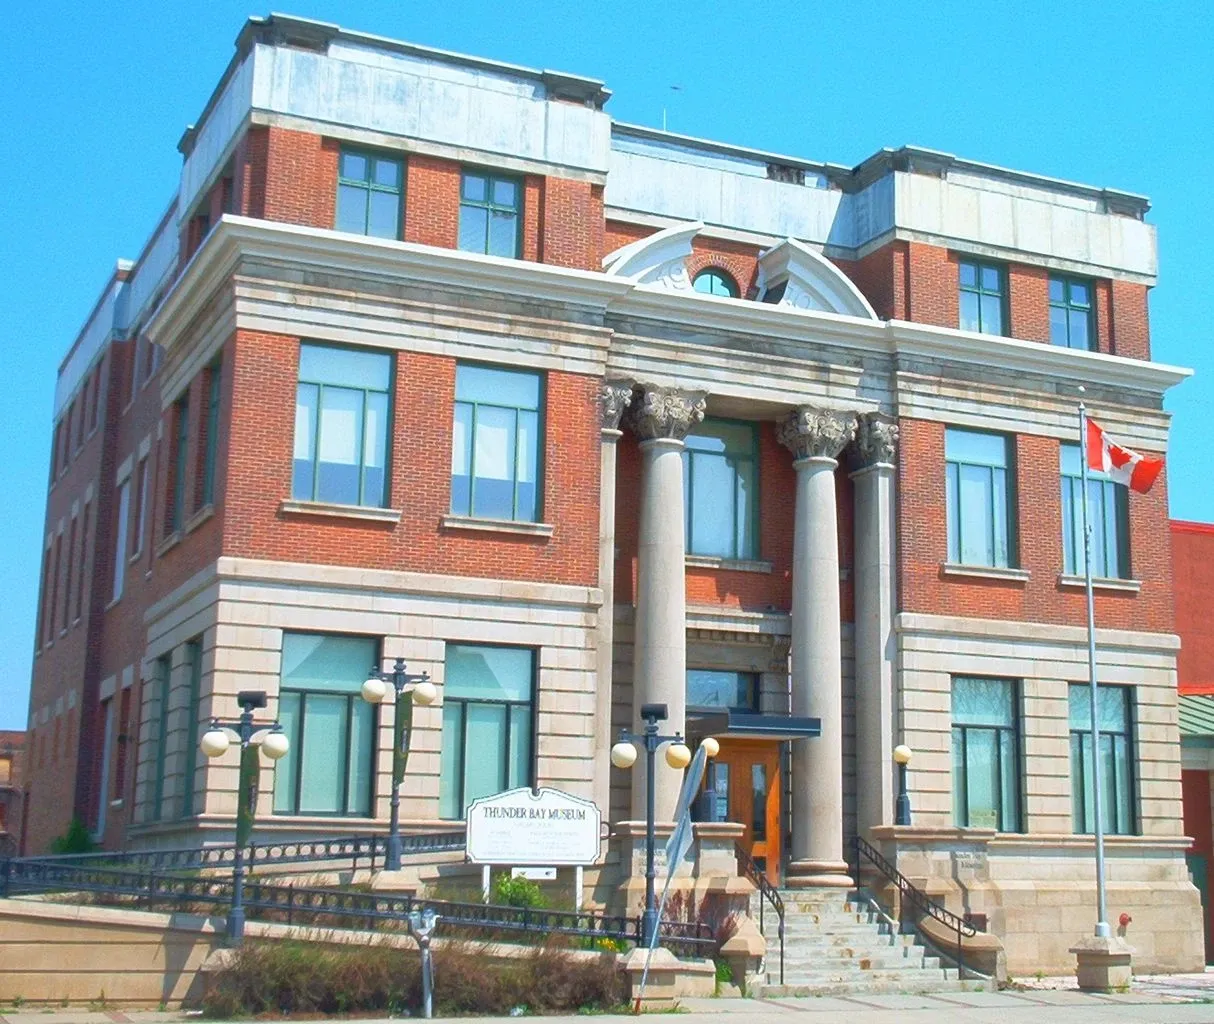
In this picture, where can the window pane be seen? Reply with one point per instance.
(1057, 290)
(959, 777)
(1070, 561)
(1122, 820)
(473, 228)
(339, 664)
(712, 510)
(982, 702)
(758, 801)
(387, 172)
(383, 218)
(1096, 513)
(978, 449)
(745, 517)
(284, 770)
(520, 746)
(375, 448)
(493, 463)
(484, 754)
(526, 467)
(450, 799)
(982, 781)
(351, 209)
(992, 314)
(969, 275)
(354, 165)
(345, 367)
(503, 234)
(362, 743)
(953, 507)
(969, 312)
(1114, 709)
(1080, 294)
(1079, 329)
(1058, 326)
(461, 456)
(1079, 791)
(999, 509)
(976, 520)
(1079, 706)
(505, 193)
(488, 673)
(124, 507)
(708, 688)
(339, 446)
(475, 187)
(990, 279)
(518, 389)
(324, 753)
(1010, 797)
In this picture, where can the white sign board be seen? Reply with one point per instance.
(534, 874)
(525, 827)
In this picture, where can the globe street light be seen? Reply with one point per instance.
(678, 756)
(410, 690)
(902, 756)
(272, 742)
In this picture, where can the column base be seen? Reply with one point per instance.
(818, 874)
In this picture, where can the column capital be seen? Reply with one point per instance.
(876, 440)
(614, 397)
(665, 412)
(809, 432)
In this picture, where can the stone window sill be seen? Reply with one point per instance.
(1101, 583)
(518, 529)
(136, 556)
(169, 542)
(199, 517)
(984, 572)
(367, 513)
(729, 564)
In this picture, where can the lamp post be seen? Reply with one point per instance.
(902, 756)
(409, 690)
(272, 742)
(624, 755)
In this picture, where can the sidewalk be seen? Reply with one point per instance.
(1162, 999)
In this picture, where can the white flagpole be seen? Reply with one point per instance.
(1102, 923)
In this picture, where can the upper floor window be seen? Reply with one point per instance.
(1108, 510)
(982, 297)
(369, 194)
(721, 482)
(1116, 761)
(496, 444)
(489, 209)
(341, 426)
(180, 456)
(211, 436)
(986, 774)
(711, 688)
(1071, 313)
(978, 498)
(715, 282)
(120, 536)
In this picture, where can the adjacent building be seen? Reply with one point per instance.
(430, 358)
(12, 794)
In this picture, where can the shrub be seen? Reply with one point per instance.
(75, 840)
(310, 977)
(515, 892)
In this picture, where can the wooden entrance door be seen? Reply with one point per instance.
(745, 778)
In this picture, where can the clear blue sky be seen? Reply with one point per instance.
(93, 98)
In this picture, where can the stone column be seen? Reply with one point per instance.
(661, 418)
(614, 398)
(875, 587)
(816, 437)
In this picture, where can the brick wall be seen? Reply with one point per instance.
(931, 285)
(923, 545)
(1028, 302)
(881, 277)
(1193, 570)
(1131, 332)
(265, 370)
(570, 222)
(432, 201)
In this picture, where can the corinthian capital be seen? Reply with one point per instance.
(665, 412)
(614, 397)
(817, 433)
(876, 440)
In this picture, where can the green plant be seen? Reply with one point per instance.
(516, 892)
(75, 840)
(18, 1002)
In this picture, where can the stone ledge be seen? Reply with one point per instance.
(511, 526)
(728, 564)
(1101, 583)
(199, 517)
(367, 513)
(984, 572)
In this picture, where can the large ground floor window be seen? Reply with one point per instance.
(488, 724)
(986, 773)
(1116, 759)
(330, 765)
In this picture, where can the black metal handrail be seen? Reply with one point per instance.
(768, 893)
(910, 895)
(336, 907)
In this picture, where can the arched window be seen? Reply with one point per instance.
(715, 282)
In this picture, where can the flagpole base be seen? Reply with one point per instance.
(1103, 963)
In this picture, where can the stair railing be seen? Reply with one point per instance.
(910, 895)
(768, 893)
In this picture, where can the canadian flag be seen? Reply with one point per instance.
(1135, 470)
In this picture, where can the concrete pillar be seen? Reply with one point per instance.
(875, 588)
(614, 398)
(816, 437)
(661, 418)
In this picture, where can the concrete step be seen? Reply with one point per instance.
(831, 977)
(788, 989)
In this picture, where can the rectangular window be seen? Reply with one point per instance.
(135, 364)
(84, 545)
(982, 296)
(979, 498)
(67, 583)
(721, 484)
(986, 761)
(54, 605)
(1071, 311)
(487, 724)
(163, 677)
(124, 725)
(489, 209)
(76, 418)
(369, 194)
(211, 438)
(709, 688)
(181, 449)
(341, 426)
(331, 729)
(45, 623)
(193, 660)
(1116, 759)
(95, 404)
(495, 458)
(120, 537)
(141, 506)
(107, 752)
(1108, 507)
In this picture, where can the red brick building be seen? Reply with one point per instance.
(429, 358)
(12, 792)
